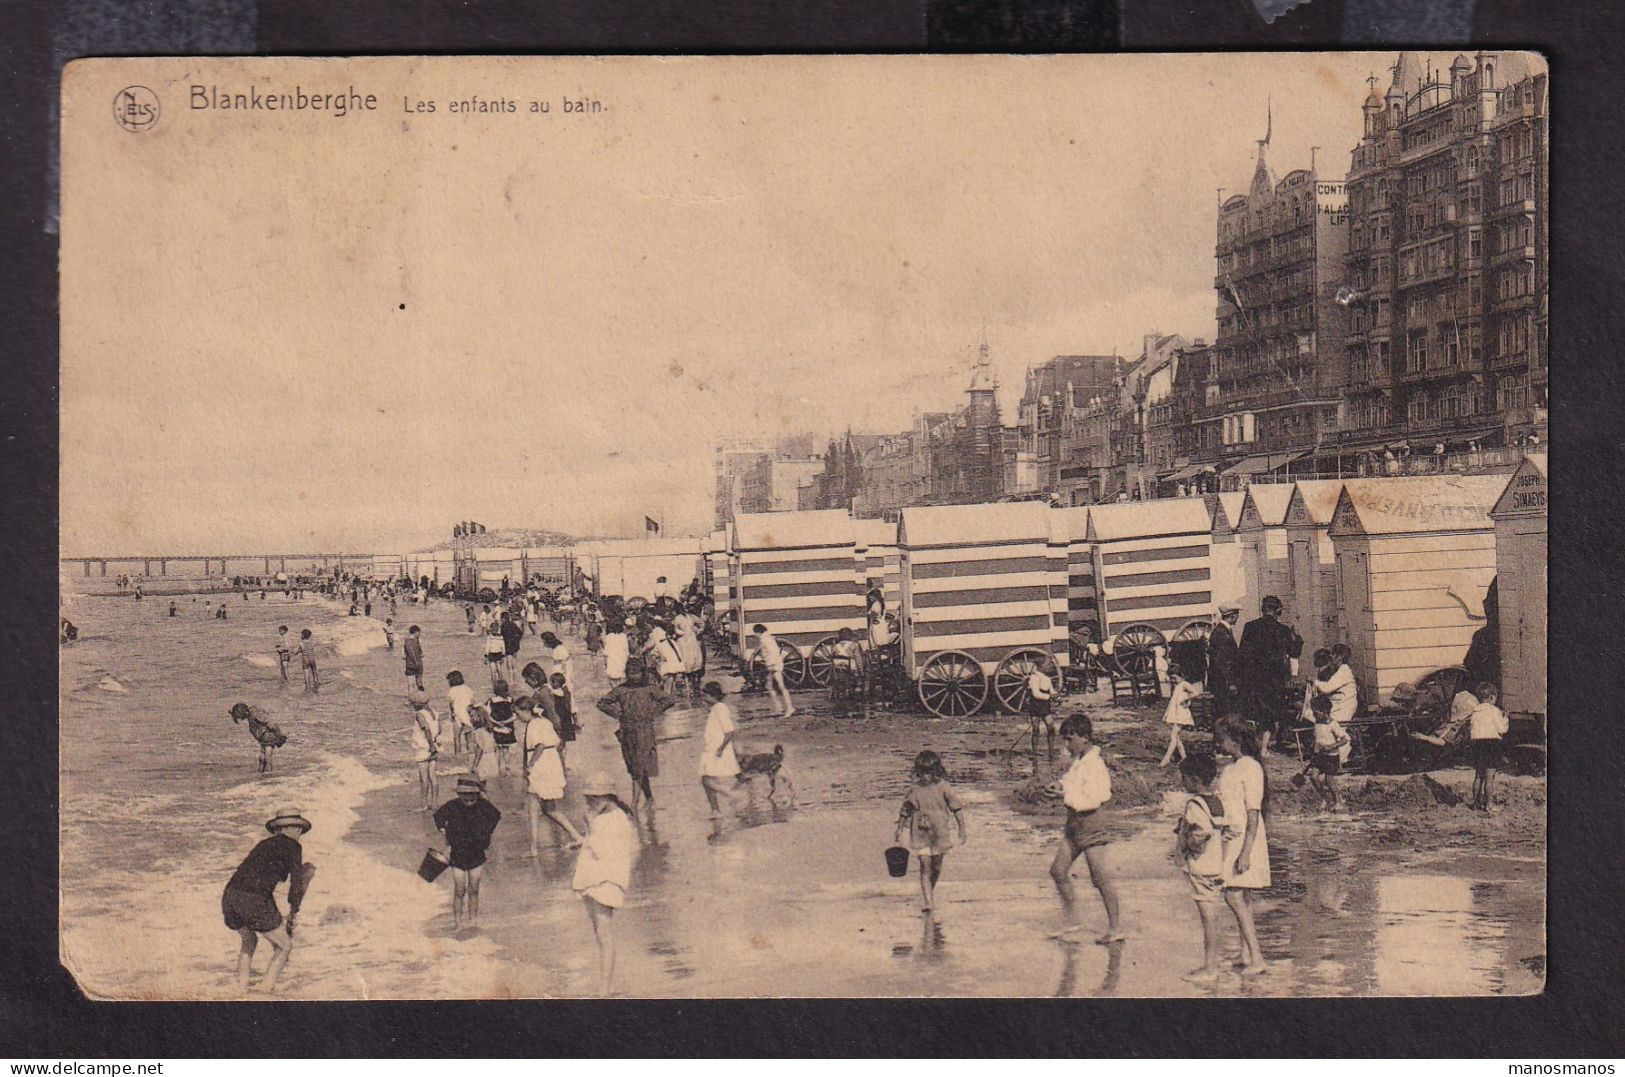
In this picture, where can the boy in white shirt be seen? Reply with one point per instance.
(1202, 849)
(1486, 725)
(1085, 787)
(719, 765)
(1332, 745)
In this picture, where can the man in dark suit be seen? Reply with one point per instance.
(1221, 662)
(1267, 651)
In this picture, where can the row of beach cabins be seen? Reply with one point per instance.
(1397, 568)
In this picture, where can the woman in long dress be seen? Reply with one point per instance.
(617, 648)
(1244, 792)
(636, 705)
(690, 649)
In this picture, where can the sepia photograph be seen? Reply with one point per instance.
(804, 526)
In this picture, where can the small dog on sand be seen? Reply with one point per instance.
(769, 765)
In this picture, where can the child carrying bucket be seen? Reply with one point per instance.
(926, 811)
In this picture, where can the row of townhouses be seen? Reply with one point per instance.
(1388, 320)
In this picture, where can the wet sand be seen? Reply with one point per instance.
(788, 902)
(796, 902)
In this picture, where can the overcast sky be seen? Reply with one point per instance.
(751, 246)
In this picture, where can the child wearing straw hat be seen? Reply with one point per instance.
(248, 905)
(604, 866)
(468, 822)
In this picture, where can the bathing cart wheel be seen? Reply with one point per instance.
(795, 667)
(1010, 678)
(1192, 632)
(820, 663)
(952, 685)
(1135, 650)
(1187, 649)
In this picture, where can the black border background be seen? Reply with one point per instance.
(42, 1014)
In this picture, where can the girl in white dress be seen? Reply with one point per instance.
(604, 867)
(1178, 715)
(544, 778)
(1244, 791)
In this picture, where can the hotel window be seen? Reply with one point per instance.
(1416, 352)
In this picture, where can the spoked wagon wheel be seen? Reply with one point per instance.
(952, 685)
(820, 663)
(1193, 632)
(1134, 650)
(1010, 679)
(1187, 649)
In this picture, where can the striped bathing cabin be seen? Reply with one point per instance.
(877, 553)
(1081, 611)
(983, 588)
(1153, 563)
(717, 570)
(797, 574)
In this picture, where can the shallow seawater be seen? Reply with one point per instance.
(160, 800)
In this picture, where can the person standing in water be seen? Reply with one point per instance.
(266, 735)
(468, 821)
(930, 804)
(719, 764)
(544, 778)
(1244, 791)
(307, 658)
(1085, 787)
(248, 904)
(636, 705)
(284, 654)
(604, 867)
(425, 745)
(412, 651)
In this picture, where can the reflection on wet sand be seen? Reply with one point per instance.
(772, 901)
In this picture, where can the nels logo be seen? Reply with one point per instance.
(135, 108)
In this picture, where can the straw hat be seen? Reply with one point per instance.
(417, 695)
(287, 817)
(466, 784)
(599, 784)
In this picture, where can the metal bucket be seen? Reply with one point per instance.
(434, 863)
(897, 861)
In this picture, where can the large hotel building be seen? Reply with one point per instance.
(1447, 256)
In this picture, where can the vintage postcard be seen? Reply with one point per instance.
(804, 526)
